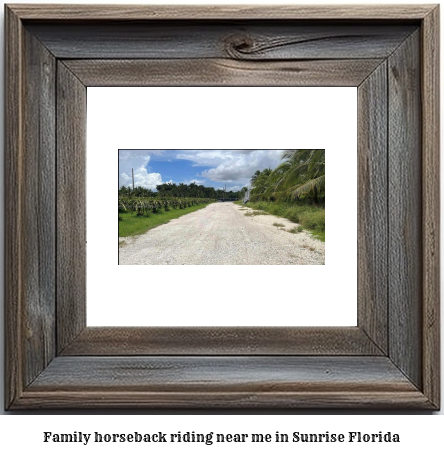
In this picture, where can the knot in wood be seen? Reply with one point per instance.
(238, 46)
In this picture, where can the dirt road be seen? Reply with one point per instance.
(221, 233)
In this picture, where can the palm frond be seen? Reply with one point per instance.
(318, 183)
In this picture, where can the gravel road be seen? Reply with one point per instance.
(221, 233)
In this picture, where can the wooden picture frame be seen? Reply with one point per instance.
(390, 360)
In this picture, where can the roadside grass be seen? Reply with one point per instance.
(278, 224)
(310, 218)
(131, 224)
(252, 214)
(296, 230)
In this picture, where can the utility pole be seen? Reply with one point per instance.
(132, 171)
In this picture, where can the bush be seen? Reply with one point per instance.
(314, 220)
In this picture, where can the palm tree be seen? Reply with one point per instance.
(254, 177)
(261, 184)
(302, 173)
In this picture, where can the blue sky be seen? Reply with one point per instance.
(210, 167)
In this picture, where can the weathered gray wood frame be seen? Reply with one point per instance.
(390, 360)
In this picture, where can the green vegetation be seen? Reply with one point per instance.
(252, 214)
(310, 217)
(133, 223)
(278, 224)
(181, 190)
(146, 206)
(296, 229)
(300, 177)
(294, 190)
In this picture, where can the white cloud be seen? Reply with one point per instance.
(239, 166)
(196, 181)
(235, 188)
(137, 160)
(212, 157)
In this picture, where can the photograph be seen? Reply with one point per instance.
(222, 207)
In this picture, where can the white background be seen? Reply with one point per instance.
(20, 434)
(222, 118)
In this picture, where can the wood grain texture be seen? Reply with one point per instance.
(343, 399)
(431, 206)
(71, 206)
(221, 72)
(405, 209)
(210, 373)
(39, 207)
(372, 207)
(220, 12)
(232, 382)
(13, 209)
(126, 341)
(235, 40)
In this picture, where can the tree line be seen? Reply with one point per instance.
(181, 191)
(300, 177)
